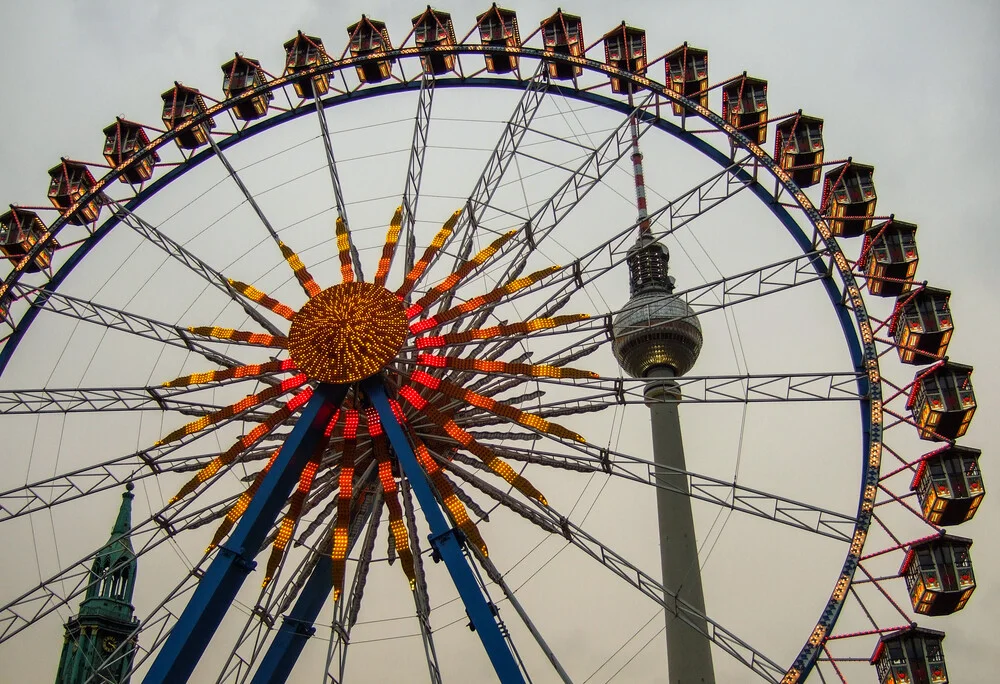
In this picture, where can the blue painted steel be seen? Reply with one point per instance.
(444, 540)
(234, 560)
(297, 626)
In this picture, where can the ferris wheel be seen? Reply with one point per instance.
(398, 339)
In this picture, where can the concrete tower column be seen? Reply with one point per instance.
(689, 653)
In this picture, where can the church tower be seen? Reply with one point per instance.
(104, 628)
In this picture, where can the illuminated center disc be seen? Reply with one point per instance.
(347, 333)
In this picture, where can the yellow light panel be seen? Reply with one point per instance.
(521, 328)
(237, 510)
(344, 251)
(455, 507)
(248, 371)
(242, 405)
(347, 333)
(389, 249)
(421, 265)
(484, 366)
(388, 483)
(346, 482)
(253, 294)
(491, 460)
(476, 302)
(259, 339)
(295, 503)
(299, 269)
(495, 407)
(455, 278)
(245, 442)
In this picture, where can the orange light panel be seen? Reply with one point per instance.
(455, 278)
(491, 460)
(239, 508)
(389, 249)
(421, 265)
(521, 328)
(253, 294)
(388, 483)
(245, 442)
(306, 478)
(495, 407)
(346, 482)
(344, 251)
(259, 339)
(248, 371)
(347, 333)
(242, 405)
(455, 507)
(299, 269)
(476, 302)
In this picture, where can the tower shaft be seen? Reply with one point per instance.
(689, 653)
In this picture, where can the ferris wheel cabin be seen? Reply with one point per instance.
(242, 74)
(70, 181)
(563, 34)
(942, 401)
(498, 29)
(625, 49)
(922, 325)
(949, 485)
(687, 75)
(369, 37)
(181, 104)
(744, 106)
(302, 53)
(910, 656)
(938, 574)
(798, 148)
(890, 257)
(20, 230)
(849, 199)
(122, 140)
(434, 29)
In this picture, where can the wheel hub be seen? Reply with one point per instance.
(347, 332)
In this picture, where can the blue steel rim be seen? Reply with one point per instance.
(858, 335)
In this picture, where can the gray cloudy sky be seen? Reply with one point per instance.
(906, 86)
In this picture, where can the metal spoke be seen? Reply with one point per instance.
(338, 193)
(123, 321)
(420, 598)
(556, 523)
(611, 253)
(481, 197)
(116, 472)
(415, 171)
(727, 494)
(196, 265)
(89, 399)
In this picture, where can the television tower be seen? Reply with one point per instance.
(657, 336)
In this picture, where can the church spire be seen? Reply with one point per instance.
(102, 637)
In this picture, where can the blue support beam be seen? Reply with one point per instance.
(297, 626)
(234, 561)
(445, 541)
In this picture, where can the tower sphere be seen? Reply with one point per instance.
(656, 329)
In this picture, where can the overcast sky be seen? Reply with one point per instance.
(906, 86)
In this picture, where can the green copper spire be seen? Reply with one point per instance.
(101, 637)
